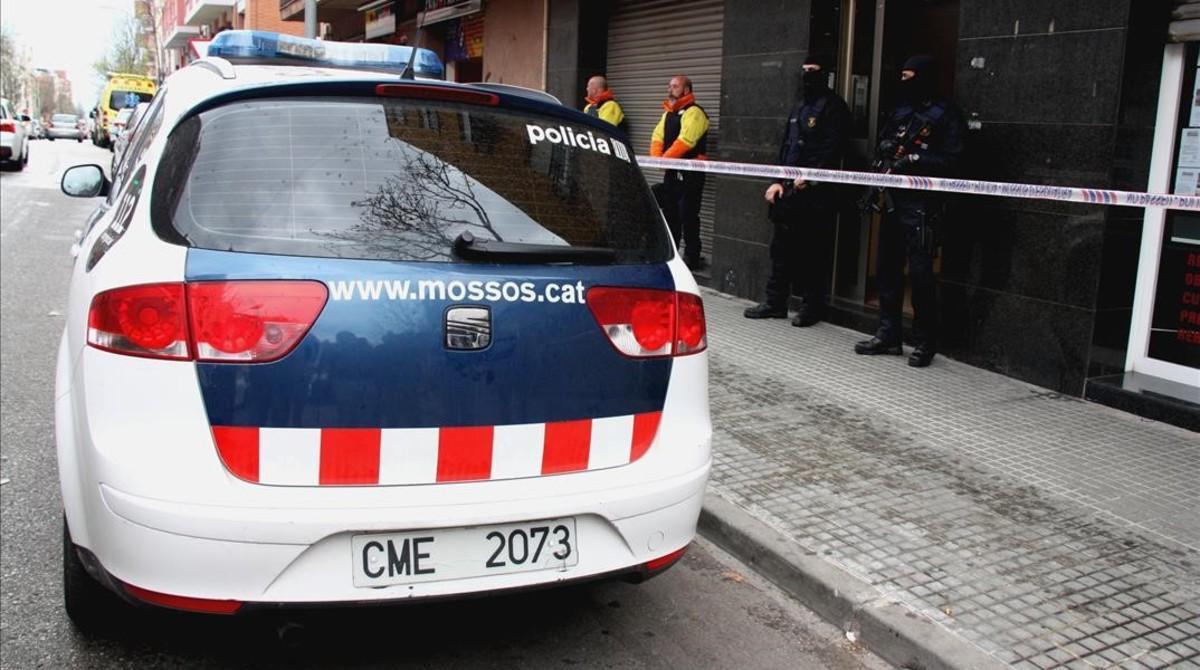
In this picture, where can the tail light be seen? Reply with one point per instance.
(443, 93)
(8, 126)
(248, 321)
(185, 603)
(252, 320)
(645, 323)
(149, 320)
(664, 562)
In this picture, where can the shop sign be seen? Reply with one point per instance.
(464, 38)
(437, 11)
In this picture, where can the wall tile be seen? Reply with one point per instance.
(1058, 79)
(1039, 342)
(739, 267)
(758, 26)
(999, 17)
(1042, 256)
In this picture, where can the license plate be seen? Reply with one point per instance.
(384, 559)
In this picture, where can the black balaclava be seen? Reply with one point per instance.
(923, 86)
(813, 83)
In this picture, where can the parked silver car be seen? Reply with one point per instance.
(64, 127)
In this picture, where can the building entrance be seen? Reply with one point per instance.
(869, 41)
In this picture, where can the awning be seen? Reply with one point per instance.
(432, 16)
(179, 36)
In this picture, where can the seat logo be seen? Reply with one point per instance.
(468, 328)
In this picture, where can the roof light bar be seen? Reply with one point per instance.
(259, 46)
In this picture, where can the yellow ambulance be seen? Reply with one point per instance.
(122, 90)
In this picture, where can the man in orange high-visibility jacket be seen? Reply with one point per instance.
(601, 104)
(682, 132)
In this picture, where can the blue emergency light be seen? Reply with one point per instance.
(265, 47)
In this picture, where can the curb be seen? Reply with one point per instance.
(889, 629)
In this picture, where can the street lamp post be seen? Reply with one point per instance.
(310, 18)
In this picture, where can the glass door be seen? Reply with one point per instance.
(872, 39)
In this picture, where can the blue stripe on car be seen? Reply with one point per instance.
(382, 363)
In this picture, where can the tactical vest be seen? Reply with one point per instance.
(671, 127)
(800, 131)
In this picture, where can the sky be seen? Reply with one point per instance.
(66, 35)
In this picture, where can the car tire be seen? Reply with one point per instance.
(50, 138)
(79, 139)
(20, 164)
(91, 607)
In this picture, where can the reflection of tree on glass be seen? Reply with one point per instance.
(420, 211)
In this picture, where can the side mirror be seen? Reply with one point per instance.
(92, 114)
(85, 181)
(25, 118)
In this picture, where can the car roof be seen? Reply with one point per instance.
(208, 79)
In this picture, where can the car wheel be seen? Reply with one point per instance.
(19, 165)
(91, 607)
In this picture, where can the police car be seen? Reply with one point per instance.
(341, 334)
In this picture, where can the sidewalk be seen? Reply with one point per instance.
(952, 516)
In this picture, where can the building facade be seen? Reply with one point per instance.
(500, 41)
(1079, 299)
(186, 26)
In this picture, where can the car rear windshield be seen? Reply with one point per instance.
(64, 118)
(121, 99)
(379, 178)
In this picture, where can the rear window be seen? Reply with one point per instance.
(399, 180)
(64, 118)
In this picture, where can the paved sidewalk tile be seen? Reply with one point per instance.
(1048, 531)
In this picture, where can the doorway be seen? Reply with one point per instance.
(871, 39)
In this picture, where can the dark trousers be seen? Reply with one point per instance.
(905, 233)
(802, 258)
(681, 207)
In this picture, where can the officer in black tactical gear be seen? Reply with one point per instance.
(803, 212)
(923, 136)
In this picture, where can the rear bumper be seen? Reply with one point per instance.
(189, 550)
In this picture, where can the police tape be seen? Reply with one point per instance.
(996, 188)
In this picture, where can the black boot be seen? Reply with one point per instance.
(765, 310)
(876, 346)
(806, 316)
(921, 356)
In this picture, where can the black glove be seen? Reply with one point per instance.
(904, 163)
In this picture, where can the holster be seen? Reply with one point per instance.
(791, 206)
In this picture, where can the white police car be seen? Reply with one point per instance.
(341, 336)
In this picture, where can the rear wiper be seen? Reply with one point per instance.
(468, 248)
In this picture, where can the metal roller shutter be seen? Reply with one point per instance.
(650, 41)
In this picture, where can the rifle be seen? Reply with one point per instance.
(887, 155)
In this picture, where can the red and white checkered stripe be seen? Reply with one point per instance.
(374, 456)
